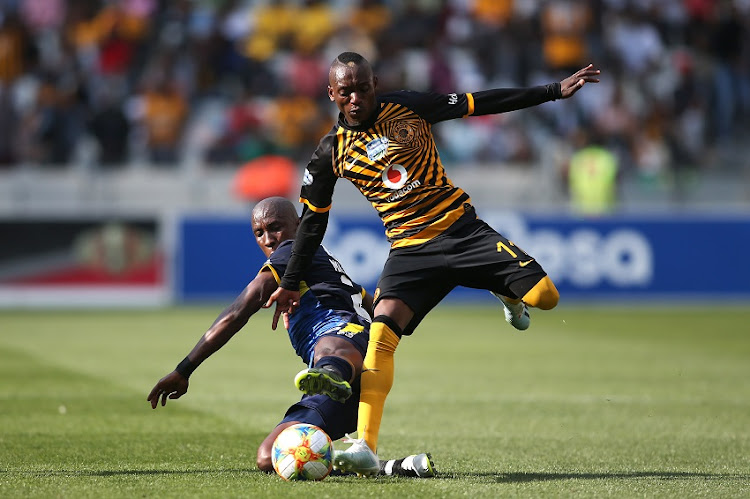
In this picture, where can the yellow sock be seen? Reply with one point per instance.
(543, 295)
(377, 380)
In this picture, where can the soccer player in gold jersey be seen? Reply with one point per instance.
(385, 147)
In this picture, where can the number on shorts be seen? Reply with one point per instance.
(502, 246)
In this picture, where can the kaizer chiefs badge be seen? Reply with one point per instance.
(404, 132)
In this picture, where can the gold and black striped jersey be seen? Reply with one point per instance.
(393, 161)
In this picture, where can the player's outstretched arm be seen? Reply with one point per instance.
(232, 319)
(577, 80)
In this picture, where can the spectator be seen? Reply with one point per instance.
(564, 26)
(8, 123)
(164, 114)
(592, 177)
(686, 58)
(371, 17)
(111, 128)
(296, 120)
(732, 73)
(16, 49)
(54, 125)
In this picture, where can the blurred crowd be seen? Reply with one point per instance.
(112, 83)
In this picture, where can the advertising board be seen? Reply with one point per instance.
(93, 261)
(638, 257)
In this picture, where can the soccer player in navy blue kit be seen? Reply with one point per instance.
(384, 145)
(329, 332)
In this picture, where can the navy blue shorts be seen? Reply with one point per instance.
(333, 417)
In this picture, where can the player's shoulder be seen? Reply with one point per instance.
(285, 245)
(326, 142)
(282, 252)
(403, 97)
(425, 104)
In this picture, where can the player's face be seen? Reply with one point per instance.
(270, 230)
(352, 88)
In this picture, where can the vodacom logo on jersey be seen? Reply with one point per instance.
(395, 177)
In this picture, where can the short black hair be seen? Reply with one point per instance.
(347, 57)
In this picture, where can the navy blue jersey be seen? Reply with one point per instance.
(330, 302)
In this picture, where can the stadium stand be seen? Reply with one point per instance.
(146, 103)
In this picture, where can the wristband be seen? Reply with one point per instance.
(186, 367)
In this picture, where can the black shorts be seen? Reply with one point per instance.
(470, 253)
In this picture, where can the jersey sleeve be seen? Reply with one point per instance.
(316, 194)
(503, 100)
(319, 178)
(434, 107)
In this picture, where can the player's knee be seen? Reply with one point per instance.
(333, 346)
(543, 295)
(549, 300)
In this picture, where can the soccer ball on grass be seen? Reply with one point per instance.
(302, 452)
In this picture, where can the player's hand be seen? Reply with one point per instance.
(577, 80)
(172, 386)
(286, 301)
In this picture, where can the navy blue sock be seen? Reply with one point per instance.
(341, 366)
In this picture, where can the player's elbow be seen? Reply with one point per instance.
(263, 460)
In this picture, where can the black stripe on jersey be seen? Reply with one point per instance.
(416, 230)
(453, 206)
(439, 199)
(344, 140)
(390, 111)
(358, 176)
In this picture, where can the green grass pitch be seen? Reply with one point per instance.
(602, 402)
